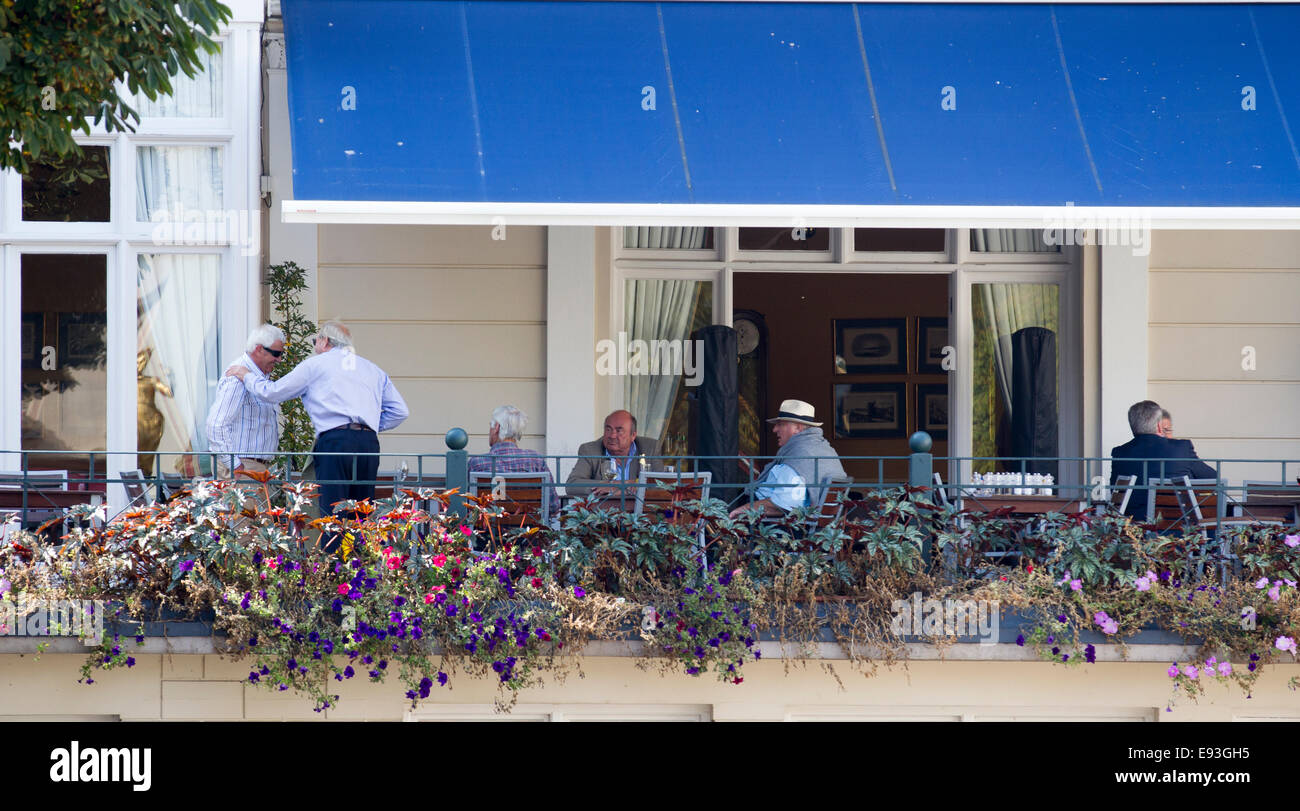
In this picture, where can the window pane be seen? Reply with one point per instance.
(199, 97)
(176, 361)
(661, 238)
(1010, 240)
(1016, 367)
(64, 358)
(929, 240)
(663, 310)
(784, 239)
(72, 189)
(177, 181)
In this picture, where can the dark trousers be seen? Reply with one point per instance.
(347, 476)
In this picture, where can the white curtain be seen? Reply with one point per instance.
(200, 97)
(665, 237)
(177, 320)
(656, 309)
(1010, 240)
(170, 176)
(1013, 307)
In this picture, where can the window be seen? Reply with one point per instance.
(1010, 240)
(199, 97)
(177, 367)
(785, 239)
(71, 189)
(178, 182)
(668, 238)
(663, 313)
(889, 240)
(64, 358)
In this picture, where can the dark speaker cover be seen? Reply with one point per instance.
(1034, 418)
(718, 412)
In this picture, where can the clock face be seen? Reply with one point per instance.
(747, 336)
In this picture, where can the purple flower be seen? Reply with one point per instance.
(578, 592)
(442, 679)
(1089, 654)
(1020, 640)
(1173, 671)
(186, 565)
(253, 677)
(348, 672)
(130, 661)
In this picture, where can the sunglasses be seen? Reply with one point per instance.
(275, 353)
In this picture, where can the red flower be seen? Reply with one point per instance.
(537, 582)
(737, 680)
(531, 570)
(1030, 568)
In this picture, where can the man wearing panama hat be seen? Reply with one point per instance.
(804, 461)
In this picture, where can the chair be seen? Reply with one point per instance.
(659, 491)
(1121, 492)
(520, 495)
(1270, 500)
(33, 480)
(940, 490)
(1191, 501)
(136, 487)
(1166, 493)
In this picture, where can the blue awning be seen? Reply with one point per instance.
(794, 104)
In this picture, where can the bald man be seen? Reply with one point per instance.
(619, 450)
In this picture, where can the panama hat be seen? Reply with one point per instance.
(796, 411)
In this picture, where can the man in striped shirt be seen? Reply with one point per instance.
(243, 430)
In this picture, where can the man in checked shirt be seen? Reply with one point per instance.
(244, 431)
(505, 456)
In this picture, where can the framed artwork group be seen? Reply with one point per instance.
(879, 346)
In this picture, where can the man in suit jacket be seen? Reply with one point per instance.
(1149, 444)
(619, 450)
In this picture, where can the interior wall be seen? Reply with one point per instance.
(1224, 344)
(456, 318)
(800, 308)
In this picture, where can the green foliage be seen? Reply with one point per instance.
(61, 60)
(286, 283)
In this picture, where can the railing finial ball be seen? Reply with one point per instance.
(920, 442)
(457, 439)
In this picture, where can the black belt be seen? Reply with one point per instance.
(353, 426)
(258, 459)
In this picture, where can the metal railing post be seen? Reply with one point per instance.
(457, 467)
(920, 473)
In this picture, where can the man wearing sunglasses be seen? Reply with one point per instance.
(243, 431)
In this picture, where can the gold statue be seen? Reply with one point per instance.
(149, 420)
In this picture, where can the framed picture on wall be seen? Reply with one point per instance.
(932, 409)
(931, 338)
(82, 340)
(870, 346)
(33, 339)
(870, 410)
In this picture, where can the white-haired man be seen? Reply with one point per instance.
(350, 401)
(504, 454)
(243, 431)
(804, 461)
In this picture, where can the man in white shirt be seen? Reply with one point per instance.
(349, 400)
(243, 431)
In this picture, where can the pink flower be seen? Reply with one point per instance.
(393, 563)
(1292, 540)
(1285, 643)
(1275, 594)
(344, 588)
(1173, 671)
(1261, 583)
(1076, 585)
(1065, 579)
(1225, 669)
(1191, 672)
(1146, 581)
(439, 560)
(465, 530)
(428, 598)
(1108, 625)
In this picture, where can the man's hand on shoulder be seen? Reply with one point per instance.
(238, 370)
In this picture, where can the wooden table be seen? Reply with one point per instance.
(1284, 507)
(12, 498)
(1023, 505)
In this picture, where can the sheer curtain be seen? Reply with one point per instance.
(686, 237)
(177, 320)
(170, 176)
(1010, 240)
(200, 97)
(656, 309)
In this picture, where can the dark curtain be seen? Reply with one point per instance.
(1034, 425)
(718, 426)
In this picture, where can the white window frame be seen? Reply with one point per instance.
(892, 257)
(966, 256)
(238, 134)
